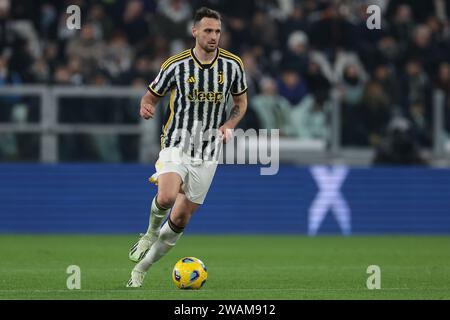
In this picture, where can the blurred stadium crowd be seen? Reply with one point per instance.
(294, 53)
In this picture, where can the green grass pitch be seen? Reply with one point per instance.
(239, 267)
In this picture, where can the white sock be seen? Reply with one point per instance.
(166, 241)
(157, 216)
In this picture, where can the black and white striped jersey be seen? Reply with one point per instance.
(199, 95)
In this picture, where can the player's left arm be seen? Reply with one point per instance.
(236, 114)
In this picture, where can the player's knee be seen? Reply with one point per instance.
(166, 200)
(181, 219)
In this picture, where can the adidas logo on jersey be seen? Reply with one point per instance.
(202, 96)
(191, 79)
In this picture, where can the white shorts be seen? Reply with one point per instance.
(196, 174)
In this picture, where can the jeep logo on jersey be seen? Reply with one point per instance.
(202, 96)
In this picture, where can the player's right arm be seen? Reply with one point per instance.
(148, 105)
(156, 90)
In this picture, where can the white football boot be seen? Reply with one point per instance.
(140, 248)
(136, 280)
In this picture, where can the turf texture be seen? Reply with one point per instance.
(239, 267)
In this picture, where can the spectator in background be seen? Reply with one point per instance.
(447, 116)
(263, 31)
(297, 55)
(174, 16)
(62, 76)
(101, 21)
(296, 21)
(402, 24)
(272, 110)
(309, 119)
(20, 61)
(265, 64)
(40, 72)
(346, 64)
(398, 146)
(331, 30)
(292, 86)
(389, 50)
(318, 84)
(141, 69)
(79, 74)
(443, 83)
(415, 87)
(352, 85)
(156, 47)
(99, 79)
(442, 80)
(134, 23)
(48, 23)
(17, 38)
(423, 49)
(420, 126)
(8, 107)
(420, 10)
(376, 112)
(383, 75)
(118, 56)
(351, 91)
(52, 55)
(7, 76)
(252, 72)
(237, 21)
(90, 49)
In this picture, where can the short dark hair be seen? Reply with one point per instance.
(205, 12)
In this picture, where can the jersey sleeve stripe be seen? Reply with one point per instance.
(172, 59)
(229, 55)
(166, 80)
(241, 66)
(175, 56)
(171, 62)
(154, 92)
(239, 93)
(175, 61)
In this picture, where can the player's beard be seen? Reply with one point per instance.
(209, 48)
